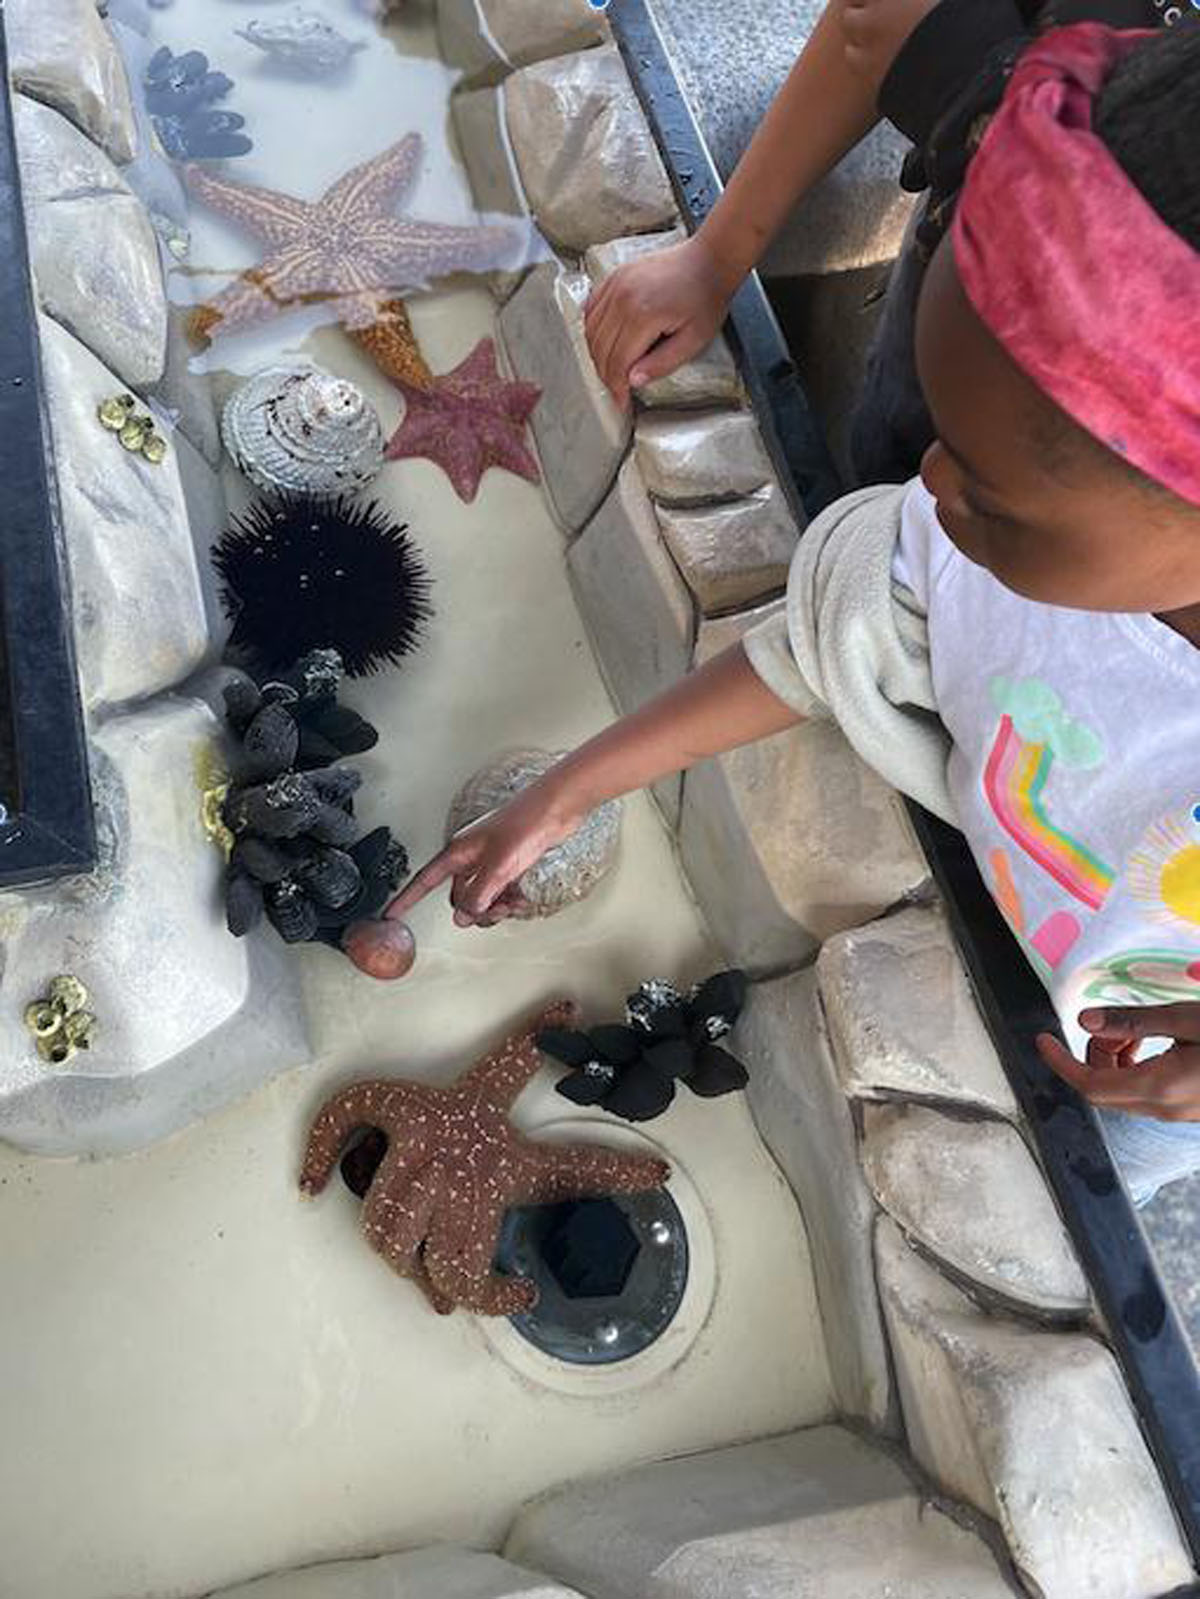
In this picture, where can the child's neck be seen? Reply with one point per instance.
(1185, 622)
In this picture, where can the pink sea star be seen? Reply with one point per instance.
(467, 420)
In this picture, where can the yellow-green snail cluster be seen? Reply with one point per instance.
(136, 432)
(61, 1022)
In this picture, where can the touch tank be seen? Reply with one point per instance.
(309, 285)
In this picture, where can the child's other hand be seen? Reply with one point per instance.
(652, 315)
(486, 860)
(1166, 1087)
(875, 30)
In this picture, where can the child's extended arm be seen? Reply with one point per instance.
(722, 705)
(679, 295)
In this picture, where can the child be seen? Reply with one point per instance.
(1011, 638)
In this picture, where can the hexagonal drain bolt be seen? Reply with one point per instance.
(590, 1248)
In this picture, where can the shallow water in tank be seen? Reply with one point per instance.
(209, 1379)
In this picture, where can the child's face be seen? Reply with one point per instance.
(1020, 495)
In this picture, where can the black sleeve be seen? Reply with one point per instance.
(940, 56)
(952, 44)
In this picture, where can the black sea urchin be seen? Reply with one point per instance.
(300, 574)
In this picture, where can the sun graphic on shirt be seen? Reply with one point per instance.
(1164, 871)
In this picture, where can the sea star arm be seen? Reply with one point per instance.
(396, 1217)
(406, 255)
(386, 179)
(582, 1171)
(458, 1257)
(368, 1104)
(272, 217)
(500, 1076)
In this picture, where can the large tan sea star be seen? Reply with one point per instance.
(348, 247)
(455, 1164)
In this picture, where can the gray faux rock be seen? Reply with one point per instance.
(902, 1016)
(442, 1572)
(973, 1195)
(94, 254)
(790, 839)
(688, 457)
(580, 432)
(709, 378)
(818, 1514)
(797, 1102)
(135, 588)
(1036, 1430)
(488, 38)
(61, 52)
(637, 612)
(482, 133)
(588, 162)
(734, 554)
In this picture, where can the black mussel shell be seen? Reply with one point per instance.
(290, 911)
(716, 1005)
(336, 784)
(349, 732)
(283, 808)
(330, 877)
(640, 1094)
(716, 1072)
(243, 902)
(566, 1045)
(262, 859)
(586, 1088)
(269, 745)
(671, 1057)
(332, 825)
(242, 703)
(316, 751)
(616, 1043)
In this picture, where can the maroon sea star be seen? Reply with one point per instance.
(455, 1164)
(467, 420)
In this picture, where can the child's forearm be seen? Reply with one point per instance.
(822, 110)
(722, 705)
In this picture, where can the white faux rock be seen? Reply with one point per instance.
(790, 839)
(709, 378)
(94, 254)
(487, 38)
(588, 162)
(443, 1572)
(818, 1514)
(636, 610)
(692, 456)
(61, 52)
(973, 1195)
(902, 1016)
(580, 432)
(1036, 1430)
(797, 1101)
(139, 612)
(734, 554)
(146, 934)
(187, 1017)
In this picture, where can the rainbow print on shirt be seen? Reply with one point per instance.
(1034, 733)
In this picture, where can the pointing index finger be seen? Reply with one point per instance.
(431, 876)
(1180, 1021)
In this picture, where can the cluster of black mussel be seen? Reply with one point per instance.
(296, 854)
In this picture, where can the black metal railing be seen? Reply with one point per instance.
(46, 828)
(1146, 1334)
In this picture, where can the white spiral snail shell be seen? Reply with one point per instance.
(299, 430)
(569, 871)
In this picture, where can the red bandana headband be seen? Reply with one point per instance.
(1083, 284)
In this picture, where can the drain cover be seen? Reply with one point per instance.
(611, 1273)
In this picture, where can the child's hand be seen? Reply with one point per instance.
(875, 30)
(669, 304)
(1166, 1087)
(487, 859)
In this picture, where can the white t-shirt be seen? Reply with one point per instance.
(1075, 771)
